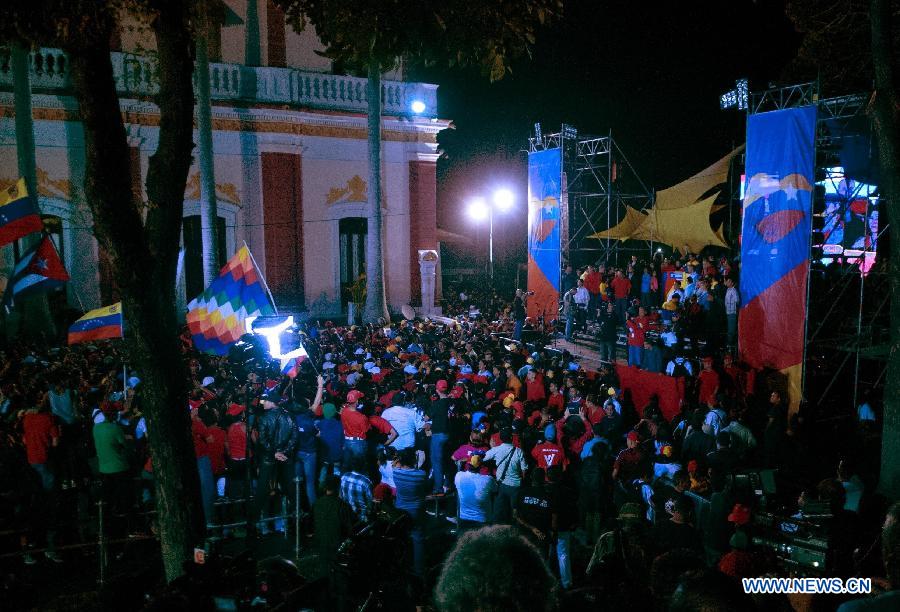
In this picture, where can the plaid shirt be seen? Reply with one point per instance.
(356, 490)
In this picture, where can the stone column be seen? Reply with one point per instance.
(428, 260)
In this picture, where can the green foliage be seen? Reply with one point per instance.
(487, 33)
(836, 45)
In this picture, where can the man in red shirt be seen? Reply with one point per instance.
(631, 461)
(236, 447)
(356, 427)
(39, 433)
(621, 287)
(708, 382)
(637, 331)
(547, 454)
(534, 386)
(593, 411)
(592, 284)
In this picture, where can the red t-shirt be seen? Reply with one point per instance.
(534, 389)
(709, 383)
(237, 441)
(557, 402)
(592, 283)
(575, 445)
(38, 431)
(381, 424)
(199, 432)
(621, 287)
(595, 414)
(637, 330)
(356, 424)
(216, 449)
(548, 454)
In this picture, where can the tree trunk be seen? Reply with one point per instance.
(34, 310)
(376, 305)
(887, 130)
(144, 257)
(209, 210)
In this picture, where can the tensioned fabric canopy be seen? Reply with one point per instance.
(678, 218)
(690, 190)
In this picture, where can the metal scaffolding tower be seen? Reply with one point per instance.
(598, 182)
(828, 297)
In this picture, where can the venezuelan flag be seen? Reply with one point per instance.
(290, 363)
(98, 324)
(19, 214)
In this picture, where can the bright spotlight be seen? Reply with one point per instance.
(417, 106)
(504, 199)
(478, 209)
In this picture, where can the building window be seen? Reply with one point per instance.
(193, 253)
(353, 238)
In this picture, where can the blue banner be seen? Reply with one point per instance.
(775, 241)
(544, 232)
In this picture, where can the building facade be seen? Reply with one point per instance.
(289, 158)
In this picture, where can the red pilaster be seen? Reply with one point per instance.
(422, 219)
(275, 35)
(282, 190)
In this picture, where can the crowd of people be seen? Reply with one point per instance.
(449, 424)
(656, 311)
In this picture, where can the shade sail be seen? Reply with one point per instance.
(681, 227)
(688, 191)
(623, 231)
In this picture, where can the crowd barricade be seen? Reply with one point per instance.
(641, 385)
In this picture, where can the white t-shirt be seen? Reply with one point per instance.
(387, 474)
(406, 421)
(474, 491)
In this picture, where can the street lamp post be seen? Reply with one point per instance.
(503, 199)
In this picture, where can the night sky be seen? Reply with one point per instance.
(652, 77)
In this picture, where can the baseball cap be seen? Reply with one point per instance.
(234, 410)
(550, 432)
(633, 436)
(441, 385)
(272, 396)
(354, 396)
(207, 381)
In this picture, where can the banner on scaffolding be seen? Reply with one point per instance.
(544, 232)
(775, 242)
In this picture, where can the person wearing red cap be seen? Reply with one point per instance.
(439, 426)
(631, 461)
(356, 428)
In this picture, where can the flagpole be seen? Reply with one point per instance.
(261, 277)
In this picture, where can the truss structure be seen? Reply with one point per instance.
(598, 183)
(825, 332)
